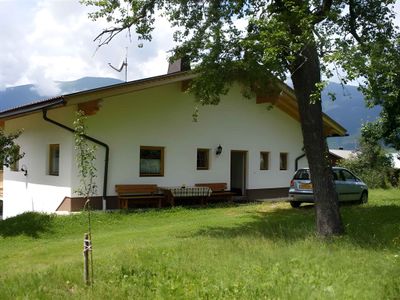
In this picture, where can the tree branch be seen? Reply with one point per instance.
(321, 13)
(109, 33)
(352, 22)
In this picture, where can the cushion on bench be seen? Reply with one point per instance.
(218, 189)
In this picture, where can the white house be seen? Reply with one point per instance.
(146, 134)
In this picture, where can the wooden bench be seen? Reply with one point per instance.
(218, 190)
(137, 192)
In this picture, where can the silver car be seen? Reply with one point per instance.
(348, 187)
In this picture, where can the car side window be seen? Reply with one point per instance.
(348, 176)
(337, 175)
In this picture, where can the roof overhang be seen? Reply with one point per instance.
(285, 101)
(32, 108)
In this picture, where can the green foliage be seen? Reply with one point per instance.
(377, 63)
(257, 41)
(371, 163)
(85, 158)
(9, 150)
(31, 224)
(251, 251)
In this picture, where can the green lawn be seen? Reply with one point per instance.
(233, 252)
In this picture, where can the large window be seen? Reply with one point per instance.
(283, 161)
(54, 159)
(203, 162)
(151, 161)
(264, 160)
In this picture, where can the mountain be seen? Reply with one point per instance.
(348, 108)
(24, 94)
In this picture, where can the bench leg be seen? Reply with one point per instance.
(123, 204)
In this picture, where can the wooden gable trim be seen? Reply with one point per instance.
(120, 89)
(272, 99)
(90, 108)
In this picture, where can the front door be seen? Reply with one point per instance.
(238, 172)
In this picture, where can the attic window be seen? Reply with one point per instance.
(54, 159)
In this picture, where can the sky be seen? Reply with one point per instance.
(45, 41)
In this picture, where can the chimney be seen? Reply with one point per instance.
(179, 65)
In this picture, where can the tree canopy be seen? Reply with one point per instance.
(261, 42)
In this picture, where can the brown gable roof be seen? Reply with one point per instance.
(286, 101)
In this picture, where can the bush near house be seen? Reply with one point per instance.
(383, 176)
(252, 251)
(372, 164)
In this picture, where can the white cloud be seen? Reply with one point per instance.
(43, 85)
(54, 42)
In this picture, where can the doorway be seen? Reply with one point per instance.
(238, 172)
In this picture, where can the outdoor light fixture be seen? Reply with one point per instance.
(25, 170)
(219, 150)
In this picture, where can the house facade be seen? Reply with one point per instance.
(146, 135)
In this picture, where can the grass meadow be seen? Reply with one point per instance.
(249, 251)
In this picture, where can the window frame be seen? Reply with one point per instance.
(51, 166)
(158, 148)
(207, 159)
(262, 160)
(14, 167)
(284, 167)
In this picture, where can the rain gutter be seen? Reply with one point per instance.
(107, 154)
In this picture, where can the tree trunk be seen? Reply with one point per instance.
(306, 73)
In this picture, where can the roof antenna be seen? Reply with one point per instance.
(123, 64)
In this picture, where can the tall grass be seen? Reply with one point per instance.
(253, 251)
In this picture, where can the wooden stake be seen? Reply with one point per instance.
(86, 249)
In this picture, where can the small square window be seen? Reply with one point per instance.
(264, 160)
(54, 159)
(203, 159)
(151, 161)
(283, 162)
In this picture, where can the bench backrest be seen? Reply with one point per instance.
(215, 186)
(135, 188)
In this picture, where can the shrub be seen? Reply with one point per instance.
(371, 163)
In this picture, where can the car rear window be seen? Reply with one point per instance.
(302, 175)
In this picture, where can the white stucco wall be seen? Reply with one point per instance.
(159, 116)
(163, 117)
(38, 191)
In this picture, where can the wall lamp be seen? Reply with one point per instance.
(218, 151)
(25, 170)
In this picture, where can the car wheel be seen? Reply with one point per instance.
(295, 204)
(364, 197)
